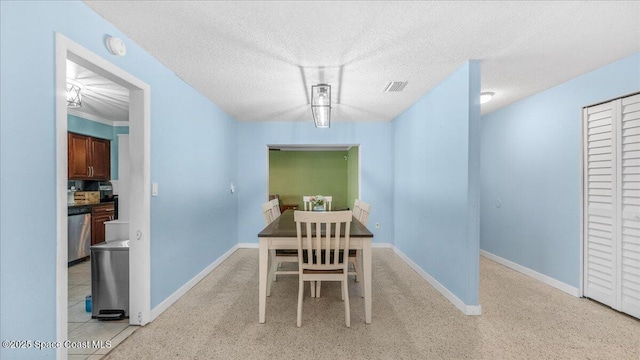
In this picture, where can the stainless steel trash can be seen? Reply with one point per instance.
(110, 280)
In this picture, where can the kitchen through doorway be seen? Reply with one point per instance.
(76, 277)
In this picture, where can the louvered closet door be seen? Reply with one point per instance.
(629, 249)
(600, 204)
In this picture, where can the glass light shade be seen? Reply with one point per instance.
(321, 116)
(74, 94)
(321, 105)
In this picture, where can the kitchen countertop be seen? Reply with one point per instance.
(100, 203)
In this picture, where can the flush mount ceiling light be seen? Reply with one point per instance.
(486, 96)
(321, 105)
(74, 93)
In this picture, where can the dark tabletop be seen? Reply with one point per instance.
(284, 226)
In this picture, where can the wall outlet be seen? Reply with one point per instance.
(154, 189)
(233, 188)
(377, 225)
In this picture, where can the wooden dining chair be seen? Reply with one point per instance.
(327, 202)
(308, 204)
(275, 207)
(320, 256)
(361, 212)
(272, 212)
(269, 216)
(267, 212)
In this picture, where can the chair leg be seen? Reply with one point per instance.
(359, 271)
(269, 284)
(313, 288)
(347, 310)
(357, 265)
(272, 273)
(274, 264)
(318, 287)
(300, 295)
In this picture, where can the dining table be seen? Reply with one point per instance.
(281, 234)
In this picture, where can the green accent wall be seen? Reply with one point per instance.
(293, 174)
(93, 128)
(352, 176)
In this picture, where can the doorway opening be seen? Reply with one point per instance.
(294, 171)
(138, 183)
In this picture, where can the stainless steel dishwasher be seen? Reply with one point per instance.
(79, 238)
(110, 280)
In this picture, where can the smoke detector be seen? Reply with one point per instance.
(116, 46)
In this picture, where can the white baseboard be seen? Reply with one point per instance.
(248, 245)
(466, 309)
(382, 245)
(158, 310)
(532, 273)
(256, 245)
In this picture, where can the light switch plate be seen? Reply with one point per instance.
(154, 189)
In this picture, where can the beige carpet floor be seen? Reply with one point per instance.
(521, 319)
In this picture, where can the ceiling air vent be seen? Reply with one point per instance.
(395, 86)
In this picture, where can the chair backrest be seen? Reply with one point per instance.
(327, 202)
(275, 207)
(325, 246)
(306, 200)
(308, 204)
(267, 211)
(361, 211)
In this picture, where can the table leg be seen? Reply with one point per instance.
(366, 264)
(263, 273)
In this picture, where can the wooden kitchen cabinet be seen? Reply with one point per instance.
(100, 214)
(78, 156)
(89, 158)
(101, 155)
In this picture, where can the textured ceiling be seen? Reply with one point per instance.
(258, 60)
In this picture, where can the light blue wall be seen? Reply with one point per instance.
(531, 166)
(193, 221)
(436, 182)
(92, 128)
(376, 159)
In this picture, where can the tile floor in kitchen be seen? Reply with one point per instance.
(81, 326)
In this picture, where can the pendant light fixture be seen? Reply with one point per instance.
(321, 105)
(74, 93)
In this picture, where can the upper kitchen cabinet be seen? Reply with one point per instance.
(101, 155)
(89, 158)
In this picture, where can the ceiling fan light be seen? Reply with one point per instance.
(74, 93)
(486, 96)
(321, 105)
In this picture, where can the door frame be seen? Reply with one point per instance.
(140, 175)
